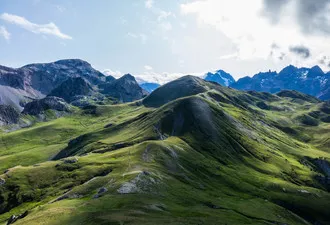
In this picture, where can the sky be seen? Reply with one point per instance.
(161, 40)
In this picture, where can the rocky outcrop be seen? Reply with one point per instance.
(100, 192)
(125, 89)
(2, 182)
(8, 115)
(14, 218)
(41, 105)
(144, 182)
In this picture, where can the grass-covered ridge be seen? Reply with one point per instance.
(214, 156)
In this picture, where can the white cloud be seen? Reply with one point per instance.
(141, 36)
(181, 63)
(116, 74)
(148, 4)
(162, 15)
(146, 67)
(229, 56)
(244, 23)
(4, 33)
(162, 78)
(150, 76)
(166, 26)
(47, 29)
(123, 21)
(183, 25)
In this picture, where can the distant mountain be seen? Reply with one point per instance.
(68, 79)
(312, 81)
(220, 77)
(149, 87)
(125, 89)
(46, 76)
(35, 81)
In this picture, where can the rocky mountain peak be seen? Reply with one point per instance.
(314, 72)
(287, 71)
(220, 77)
(125, 89)
(73, 62)
(127, 77)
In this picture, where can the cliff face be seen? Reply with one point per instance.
(72, 87)
(8, 115)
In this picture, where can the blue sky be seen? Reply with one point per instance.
(160, 40)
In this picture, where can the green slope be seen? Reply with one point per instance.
(215, 156)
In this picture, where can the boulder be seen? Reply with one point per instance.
(100, 192)
(14, 218)
(2, 182)
(71, 160)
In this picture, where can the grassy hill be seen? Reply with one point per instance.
(203, 154)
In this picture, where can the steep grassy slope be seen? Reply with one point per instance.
(219, 157)
(43, 141)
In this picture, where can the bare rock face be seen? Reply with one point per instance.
(41, 105)
(14, 218)
(142, 183)
(8, 115)
(125, 89)
(71, 88)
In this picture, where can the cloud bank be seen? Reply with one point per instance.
(255, 27)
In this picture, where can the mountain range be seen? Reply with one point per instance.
(78, 147)
(67, 79)
(312, 81)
